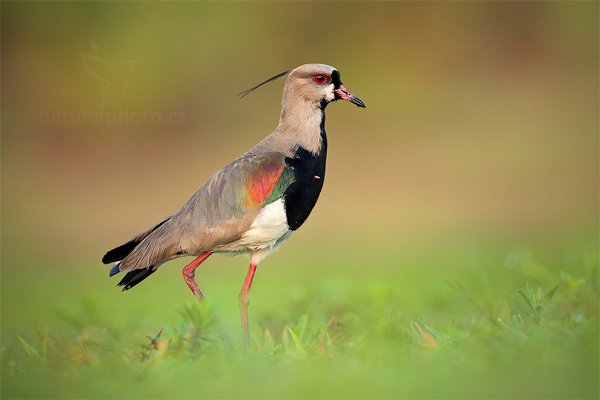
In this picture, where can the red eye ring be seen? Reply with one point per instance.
(320, 79)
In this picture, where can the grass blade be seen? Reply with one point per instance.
(297, 342)
(551, 293)
(30, 350)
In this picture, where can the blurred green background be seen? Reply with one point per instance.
(454, 249)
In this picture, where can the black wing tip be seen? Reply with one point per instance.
(134, 277)
(107, 259)
(122, 251)
(118, 253)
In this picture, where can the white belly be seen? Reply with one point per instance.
(267, 231)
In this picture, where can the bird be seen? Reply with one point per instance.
(253, 204)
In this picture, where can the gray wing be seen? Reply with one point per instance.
(220, 212)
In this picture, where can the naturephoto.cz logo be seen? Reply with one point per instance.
(112, 118)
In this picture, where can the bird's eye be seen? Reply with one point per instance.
(320, 79)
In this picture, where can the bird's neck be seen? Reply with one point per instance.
(300, 124)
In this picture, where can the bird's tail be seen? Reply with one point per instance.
(122, 251)
(117, 254)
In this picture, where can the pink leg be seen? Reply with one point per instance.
(244, 301)
(188, 274)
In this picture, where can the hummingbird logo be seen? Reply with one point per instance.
(114, 74)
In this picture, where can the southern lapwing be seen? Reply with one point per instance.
(254, 203)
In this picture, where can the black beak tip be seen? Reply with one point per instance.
(358, 102)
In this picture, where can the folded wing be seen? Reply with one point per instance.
(221, 211)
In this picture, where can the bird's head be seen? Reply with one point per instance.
(316, 83)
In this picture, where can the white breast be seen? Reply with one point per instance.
(267, 231)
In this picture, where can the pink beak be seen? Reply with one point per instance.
(344, 94)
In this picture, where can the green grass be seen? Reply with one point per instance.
(524, 325)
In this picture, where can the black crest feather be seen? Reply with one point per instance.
(279, 75)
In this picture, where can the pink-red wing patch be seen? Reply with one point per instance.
(261, 182)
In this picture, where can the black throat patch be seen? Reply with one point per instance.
(309, 173)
